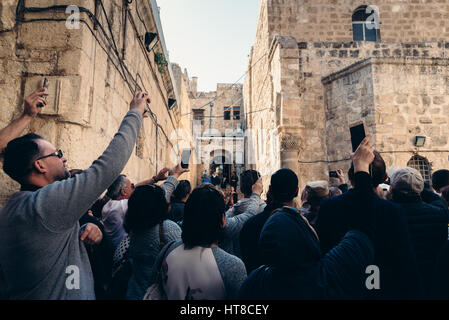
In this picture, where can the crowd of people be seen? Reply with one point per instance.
(94, 234)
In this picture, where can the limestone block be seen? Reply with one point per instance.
(7, 14)
(45, 127)
(7, 45)
(67, 98)
(49, 35)
(54, 88)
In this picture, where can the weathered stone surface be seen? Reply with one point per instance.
(88, 96)
(399, 87)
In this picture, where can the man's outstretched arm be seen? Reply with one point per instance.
(61, 204)
(15, 128)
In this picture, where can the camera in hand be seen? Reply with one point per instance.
(44, 85)
(185, 158)
(333, 174)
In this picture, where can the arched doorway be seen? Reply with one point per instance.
(422, 165)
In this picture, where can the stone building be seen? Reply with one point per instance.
(218, 121)
(93, 68)
(317, 67)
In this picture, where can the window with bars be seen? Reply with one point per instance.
(363, 26)
(422, 165)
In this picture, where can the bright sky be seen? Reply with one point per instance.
(211, 38)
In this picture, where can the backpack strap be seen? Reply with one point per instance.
(161, 233)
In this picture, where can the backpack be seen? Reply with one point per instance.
(121, 271)
(122, 268)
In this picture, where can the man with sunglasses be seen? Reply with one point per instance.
(41, 254)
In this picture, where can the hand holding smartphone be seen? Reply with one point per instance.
(44, 85)
(357, 131)
(185, 158)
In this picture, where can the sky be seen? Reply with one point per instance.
(211, 38)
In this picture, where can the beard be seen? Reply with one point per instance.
(64, 175)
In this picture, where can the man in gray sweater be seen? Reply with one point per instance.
(41, 254)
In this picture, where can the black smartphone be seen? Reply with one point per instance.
(357, 131)
(333, 174)
(185, 158)
(44, 85)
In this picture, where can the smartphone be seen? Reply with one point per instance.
(357, 131)
(185, 158)
(333, 174)
(44, 85)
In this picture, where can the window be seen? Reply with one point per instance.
(422, 165)
(227, 113)
(236, 113)
(198, 115)
(365, 24)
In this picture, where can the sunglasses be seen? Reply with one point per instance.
(54, 154)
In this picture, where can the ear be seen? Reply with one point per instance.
(39, 166)
(296, 192)
(223, 221)
(123, 192)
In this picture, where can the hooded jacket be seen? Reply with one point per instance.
(294, 268)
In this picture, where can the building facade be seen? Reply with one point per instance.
(218, 127)
(318, 67)
(94, 65)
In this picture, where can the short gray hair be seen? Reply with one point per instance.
(114, 191)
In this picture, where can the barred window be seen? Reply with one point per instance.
(422, 165)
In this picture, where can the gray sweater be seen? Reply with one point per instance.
(234, 225)
(40, 251)
(232, 269)
(145, 246)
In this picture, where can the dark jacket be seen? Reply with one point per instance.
(394, 254)
(249, 238)
(294, 268)
(428, 226)
(176, 212)
(440, 280)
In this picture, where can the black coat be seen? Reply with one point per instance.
(428, 226)
(394, 254)
(249, 238)
(294, 267)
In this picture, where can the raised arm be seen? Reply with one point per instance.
(15, 128)
(61, 204)
(235, 224)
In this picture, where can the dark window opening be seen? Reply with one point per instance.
(227, 113)
(236, 113)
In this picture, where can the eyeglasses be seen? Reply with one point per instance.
(54, 154)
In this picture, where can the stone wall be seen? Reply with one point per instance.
(226, 136)
(88, 92)
(226, 95)
(398, 99)
(331, 20)
(283, 90)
